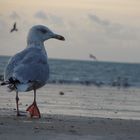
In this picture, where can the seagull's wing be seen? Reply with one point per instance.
(14, 26)
(92, 56)
(11, 30)
(34, 68)
(30, 65)
(13, 62)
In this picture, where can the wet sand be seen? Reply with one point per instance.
(80, 113)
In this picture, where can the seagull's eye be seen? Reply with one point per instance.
(44, 31)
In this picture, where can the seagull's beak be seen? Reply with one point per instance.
(59, 37)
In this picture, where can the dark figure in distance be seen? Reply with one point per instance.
(14, 28)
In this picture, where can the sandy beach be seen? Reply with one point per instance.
(80, 113)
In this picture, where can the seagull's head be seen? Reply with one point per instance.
(41, 33)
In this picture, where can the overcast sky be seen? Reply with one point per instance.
(109, 29)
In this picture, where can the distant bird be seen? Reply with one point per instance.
(92, 56)
(14, 28)
(29, 70)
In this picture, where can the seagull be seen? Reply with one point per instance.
(14, 28)
(92, 56)
(29, 70)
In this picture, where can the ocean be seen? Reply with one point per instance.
(89, 72)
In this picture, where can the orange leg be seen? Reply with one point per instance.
(33, 108)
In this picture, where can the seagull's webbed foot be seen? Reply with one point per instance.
(33, 110)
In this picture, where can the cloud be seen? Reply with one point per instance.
(112, 30)
(2, 25)
(41, 15)
(52, 18)
(98, 20)
(105, 24)
(14, 15)
(55, 19)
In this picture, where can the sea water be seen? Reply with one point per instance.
(89, 72)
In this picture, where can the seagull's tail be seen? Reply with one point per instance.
(11, 83)
(4, 83)
(8, 84)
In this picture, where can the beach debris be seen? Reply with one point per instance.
(14, 28)
(29, 69)
(72, 126)
(72, 131)
(120, 82)
(61, 93)
(36, 127)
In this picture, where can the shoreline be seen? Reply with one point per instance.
(80, 113)
(78, 100)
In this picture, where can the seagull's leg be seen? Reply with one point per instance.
(33, 108)
(17, 99)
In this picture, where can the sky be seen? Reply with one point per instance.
(108, 29)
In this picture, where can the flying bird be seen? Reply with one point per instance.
(92, 56)
(29, 70)
(14, 28)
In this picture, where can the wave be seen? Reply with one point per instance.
(84, 82)
(89, 73)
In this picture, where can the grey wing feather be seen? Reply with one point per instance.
(29, 66)
(11, 65)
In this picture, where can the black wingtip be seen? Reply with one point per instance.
(4, 83)
(10, 81)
